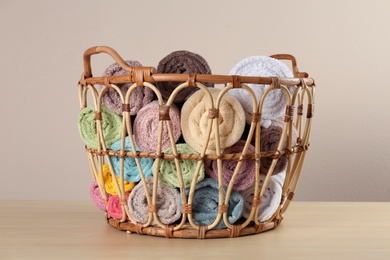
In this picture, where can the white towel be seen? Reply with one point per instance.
(270, 200)
(261, 66)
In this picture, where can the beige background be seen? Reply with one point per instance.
(344, 45)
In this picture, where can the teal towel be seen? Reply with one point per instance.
(111, 126)
(205, 204)
(168, 172)
(131, 172)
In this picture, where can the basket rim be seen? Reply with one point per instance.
(148, 73)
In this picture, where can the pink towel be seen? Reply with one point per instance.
(114, 208)
(146, 127)
(139, 97)
(245, 176)
(96, 196)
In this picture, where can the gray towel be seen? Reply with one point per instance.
(167, 204)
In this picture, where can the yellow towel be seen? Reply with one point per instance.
(195, 120)
(109, 183)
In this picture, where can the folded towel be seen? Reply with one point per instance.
(96, 196)
(245, 176)
(269, 141)
(146, 127)
(270, 200)
(114, 208)
(139, 97)
(275, 102)
(205, 204)
(109, 183)
(131, 172)
(111, 126)
(195, 120)
(168, 173)
(181, 62)
(167, 203)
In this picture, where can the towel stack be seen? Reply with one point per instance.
(201, 121)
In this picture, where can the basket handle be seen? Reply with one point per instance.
(102, 49)
(296, 72)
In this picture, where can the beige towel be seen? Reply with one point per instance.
(195, 120)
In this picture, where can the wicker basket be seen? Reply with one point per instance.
(91, 88)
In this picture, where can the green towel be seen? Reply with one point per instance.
(168, 172)
(111, 126)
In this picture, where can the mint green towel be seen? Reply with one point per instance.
(111, 126)
(168, 172)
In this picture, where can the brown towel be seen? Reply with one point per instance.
(181, 62)
(269, 141)
(245, 176)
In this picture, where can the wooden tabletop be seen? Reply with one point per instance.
(310, 230)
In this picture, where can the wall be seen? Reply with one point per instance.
(344, 45)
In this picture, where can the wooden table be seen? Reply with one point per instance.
(77, 230)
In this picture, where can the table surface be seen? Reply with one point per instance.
(310, 230)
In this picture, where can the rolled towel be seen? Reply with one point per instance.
(205, 204)
(167, 203)
(270, 200)
(96, 196)
(139, 97)
(168, 173)
(111, 126)
(269, 141)
(114, 208)
(279, 122)
(181, 62)
(262, 66)
(245, 176)
(146, 127)
(131, 172)
(109, 183)
(195, 120)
